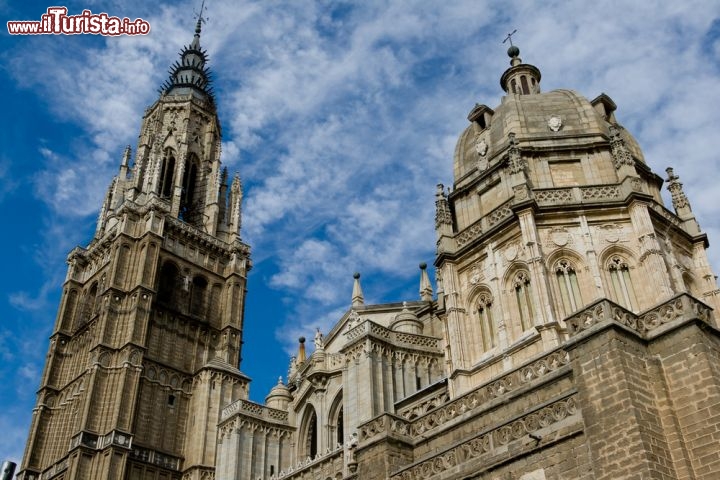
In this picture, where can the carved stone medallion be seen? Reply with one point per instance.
(481, 147)
(559, 236)
(476, 275)
(511, 252)
(555, 123)
(611, 232)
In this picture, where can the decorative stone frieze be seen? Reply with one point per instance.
(251, 408)
(681, 307)
(490, 442)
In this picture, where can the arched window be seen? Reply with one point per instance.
(524, 83)
(89, 304)
(523, 296)
(168, 283)
(310, 444)
(197, 295)
(513, 86)
(620, 282)
(189, 187)
(339, 431)
(167, 170)
(568, 286)
(487, 325)
(335, 422)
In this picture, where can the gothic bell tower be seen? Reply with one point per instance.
(146, 345)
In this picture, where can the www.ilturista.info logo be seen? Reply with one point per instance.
(57, 21)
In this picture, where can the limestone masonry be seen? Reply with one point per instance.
(571, 333)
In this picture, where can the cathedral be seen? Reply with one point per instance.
(570, 332)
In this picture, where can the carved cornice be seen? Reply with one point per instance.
(205, 239)
(678, 309)
(329, 462)
(488, 443)
(254, 410)
(153, 457)
(370, 338)
(492, 390)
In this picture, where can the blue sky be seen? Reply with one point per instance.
(340, 117)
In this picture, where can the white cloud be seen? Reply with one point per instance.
(342, 121)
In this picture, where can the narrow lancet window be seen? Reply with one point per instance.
(621, 284)
(568, 285)
(166, 174)
(523, 296)
(487, 325)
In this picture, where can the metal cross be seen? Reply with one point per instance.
(508, 38)
(199, 15)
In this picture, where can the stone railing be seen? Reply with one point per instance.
(485, 223)
(60, 466)
(495, 440)
(255, 410)
(205, 238)
(399, 339)
(324, 465)
(666, 214)
(444, 414)
(574, 195)
(680, 307)
(153, 457)
(425, 404)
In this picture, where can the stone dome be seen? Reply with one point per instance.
(279, 396)
(558, 119)
(407, 322)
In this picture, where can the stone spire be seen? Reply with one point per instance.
(235, 207)
(190, 75)
(126, 157)
(357, 293)
(680, 202)
(426, 290)
(301, 355)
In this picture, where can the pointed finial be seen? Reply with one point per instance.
(426, 291)
(679, 199)
(357, 293)
(280, 382)
(301, 350)
(126, 156)
(236, 183)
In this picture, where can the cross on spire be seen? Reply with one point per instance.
(508, 38)
(199, 16)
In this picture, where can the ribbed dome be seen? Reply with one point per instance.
(407, 322)
(530, 118)
(279, 396)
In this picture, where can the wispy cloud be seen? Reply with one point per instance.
(342, 116)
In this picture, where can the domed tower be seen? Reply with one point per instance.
(553, 207)
(146, 345)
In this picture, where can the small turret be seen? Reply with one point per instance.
(279, 397)
(520, 78)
